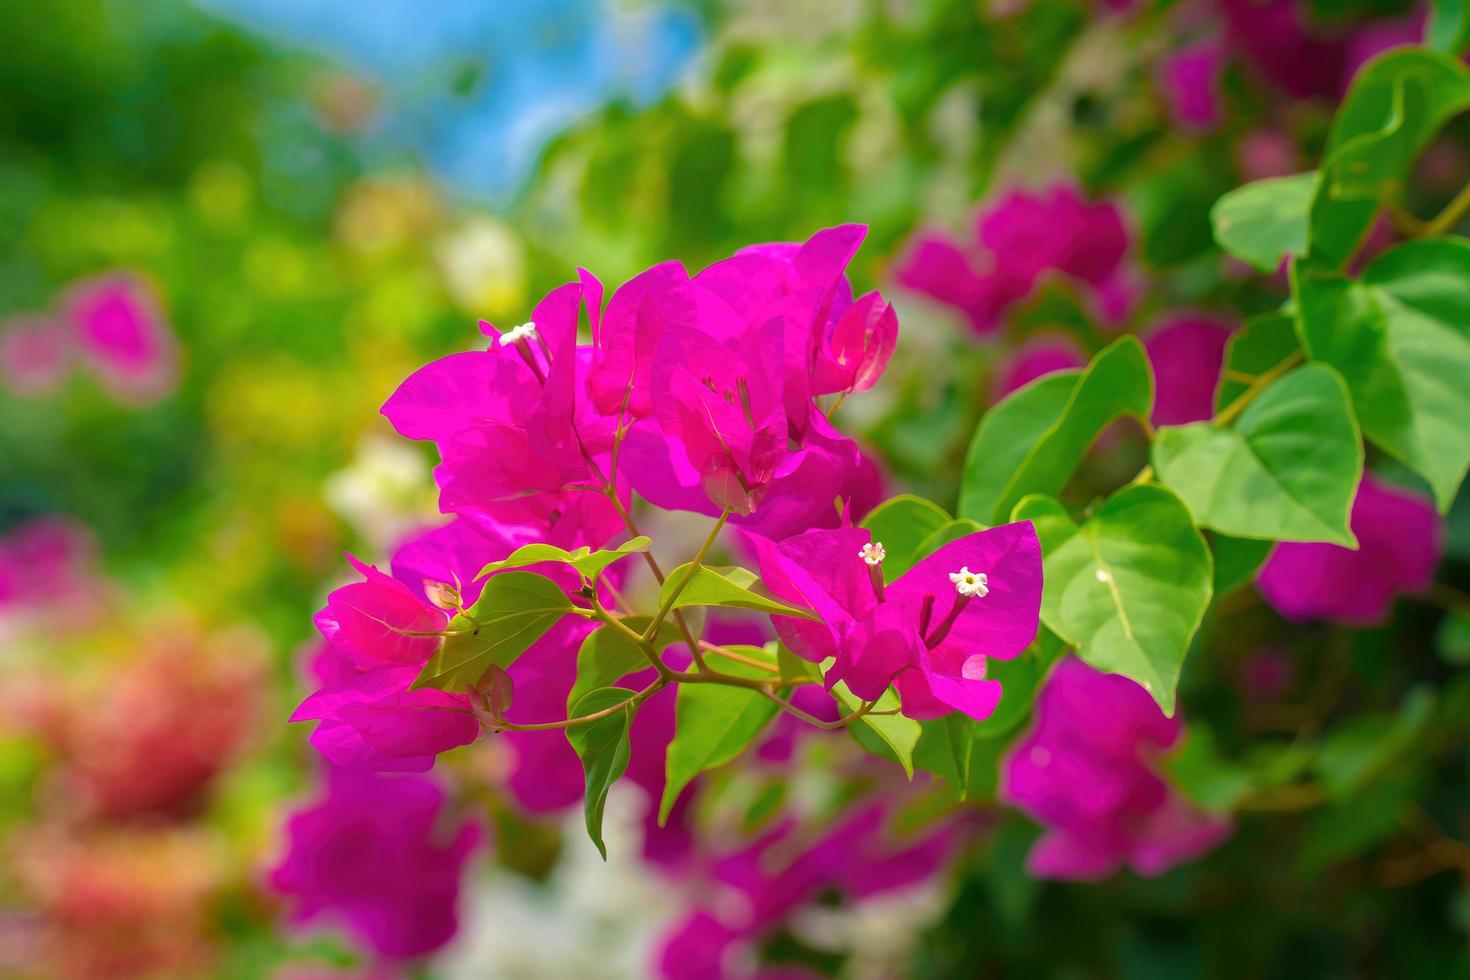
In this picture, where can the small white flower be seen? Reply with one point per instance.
(522, 332)
(968, 583)
(873, 553)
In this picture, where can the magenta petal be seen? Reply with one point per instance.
(372, 620)
(381, 855)
(1400, 540)
(879, 646)
(1003, 622)
(1187, 353)
(1088, 771)
(1190, 80)
(936, 266)
(457, 392)
(1062, 857)
(926, 693)
(854, 356)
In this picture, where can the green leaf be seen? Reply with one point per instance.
(1287, 470)
(603, 747)
(514, 611)
(1396, 105)
(1400, 337)
(952, 531)
(954, 748)
(1449, 26)
(1004, 436)
(1129, 589)
(1266, 220)
(1357, 750)
(900, 734)
(709, 587)
(1452, 639)
(1199, 772)
(608, 655)
(1013, 454)
(590, 563)
(1264, 343)
(794, 668)
(944, 748)
(1050, 519)
(713, 723)
(1236, 560)
(902, 524)
(1342, 830)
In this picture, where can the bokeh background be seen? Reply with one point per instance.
(229, 228)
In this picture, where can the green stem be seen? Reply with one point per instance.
(668, 604)
(1446, 220)
(551, 726)
(1232, 411)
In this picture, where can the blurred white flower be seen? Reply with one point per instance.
(484, 266)
(385, 492)
(588, 920)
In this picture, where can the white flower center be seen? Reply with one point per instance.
(873, 553)
(968, 583)
(514, 334)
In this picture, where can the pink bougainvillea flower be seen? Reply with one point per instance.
(515, 440)
(1087, 771)
(35, 355)
(48, 566)
(626, 333)
(1190, 81)
(1267, 153)
(720, 404)
(381, 856)
(930, 631)
(1400, 540)
(1187, 353)
(1036, 359)
(121, 333)
(1018, 239)
(828, 467)
(368, 718)
(752, 890)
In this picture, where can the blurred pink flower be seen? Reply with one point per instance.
(1035, 359)
(48, 568)
(1186, 352)
(1190, 80)
(380, 856)
(35, 355)
(1017, 240)
(121, 334)
(1400, 540)
(1087, 771)
(752, 890)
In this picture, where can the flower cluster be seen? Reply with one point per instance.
(929, 632)
(1087, 770)
(378, 854)
(1018, 240)
(701, 393)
